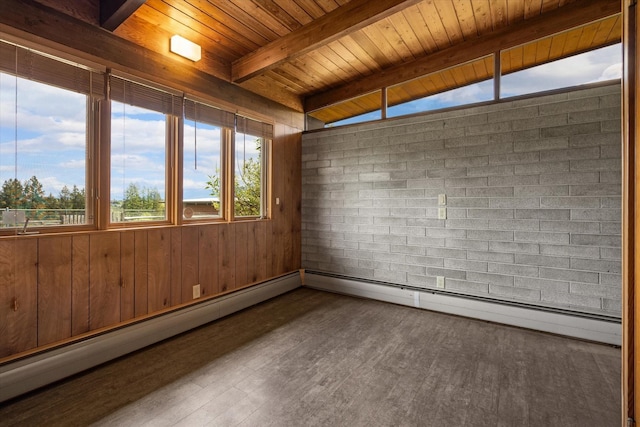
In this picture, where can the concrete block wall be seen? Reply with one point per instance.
(533, 193)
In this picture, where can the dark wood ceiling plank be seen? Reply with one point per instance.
(499, 13)
(223, 13)
(482, 16)
(532, 8)
(515, 12)
(570, 16)
(448, 16)
(114, 12)
(340, 22)
(434, 24)
(405, 31)
(399, 34)
(466, 18)
(213, 28)
(278, 13)
(312, 8)
(414, 18)
(294, 10)
(247, 10)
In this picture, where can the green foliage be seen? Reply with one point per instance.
(246, 188)
(141, 199)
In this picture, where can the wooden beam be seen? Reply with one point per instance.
(564, 18)
(115, 12)
(29, 20)
(338, 23)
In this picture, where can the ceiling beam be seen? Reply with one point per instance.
(338, 23)
(115, 12)
(561, 19)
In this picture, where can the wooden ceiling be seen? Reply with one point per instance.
(311, 54)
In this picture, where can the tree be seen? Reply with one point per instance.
(77, 198)
(33, 194)
(246, 188)
(11, 194)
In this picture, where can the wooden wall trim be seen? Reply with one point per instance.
(629, 407)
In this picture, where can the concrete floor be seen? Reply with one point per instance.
(310, 358)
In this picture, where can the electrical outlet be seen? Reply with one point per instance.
(442, 213)
(440, 282)
(442, 199)
(196, 291)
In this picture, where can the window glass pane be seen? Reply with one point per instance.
(589, 67)
(477, 92)
(248, 175)
(201, 171)
(138, 164)
(43, 154)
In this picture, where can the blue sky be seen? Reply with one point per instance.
(51, 127)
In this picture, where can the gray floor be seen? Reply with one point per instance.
(310, 358)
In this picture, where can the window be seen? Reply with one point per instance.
(206, 131)
(143, 124)
(596, 65)
(46, 140)
(252, 142)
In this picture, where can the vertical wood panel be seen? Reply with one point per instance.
(242, 261)
(104, 279)
(159, 270)
(54, 289)
(252, 250)
(141, 281)
(226, 253)
(127, 271)
(18, 281)
(208, 260)
(190, 258)
(80, 284)
(261, 249)
(176, 266)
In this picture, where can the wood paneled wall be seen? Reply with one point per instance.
(56, 287)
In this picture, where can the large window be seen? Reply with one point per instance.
(143, 122)
(207, 131)
(250, 167)
(70, 134)
(45, 140)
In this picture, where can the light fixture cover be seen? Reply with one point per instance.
(186, 48)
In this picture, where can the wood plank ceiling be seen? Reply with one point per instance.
(312, 54)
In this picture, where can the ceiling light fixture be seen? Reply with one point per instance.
(186, 48)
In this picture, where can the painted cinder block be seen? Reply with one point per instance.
(533, 200)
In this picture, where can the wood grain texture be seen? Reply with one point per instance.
(208, 267)
(159, 269)
(242, 264)
(141, 276)
(18, 295)
(176, 266)
(128, 274)
(54, 289)
(227, 259)
(190, 261)
(80, 285)
(104, 280)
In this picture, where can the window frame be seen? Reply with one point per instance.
(172, 136)
(63, 74)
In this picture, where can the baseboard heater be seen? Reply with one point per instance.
(593, 327)
(30, 373)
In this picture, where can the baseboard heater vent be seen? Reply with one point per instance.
(593, 327)
(30, 373)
